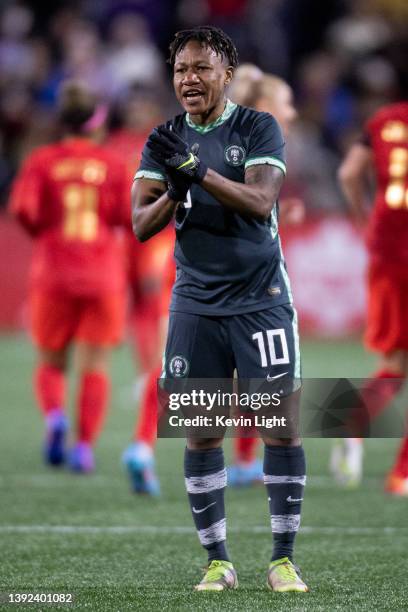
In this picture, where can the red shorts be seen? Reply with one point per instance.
(58, 319)
(387, 322)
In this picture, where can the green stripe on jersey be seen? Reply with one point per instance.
(154, 175)
(272, 161)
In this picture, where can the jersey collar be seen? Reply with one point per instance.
(203, 129)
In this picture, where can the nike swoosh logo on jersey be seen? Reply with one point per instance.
(271, 378)
(203, 509)
(290, 499)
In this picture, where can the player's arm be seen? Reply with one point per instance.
(353, 176)
(152, 208)
(255, 198)
(264, 167)
(27, 194)
(264, 173)
(292, 211)
(156, 192)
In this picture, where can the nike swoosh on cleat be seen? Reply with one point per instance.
(203, 509)
(271, 378)
(290, 499)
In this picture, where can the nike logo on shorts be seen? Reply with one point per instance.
(203, 509)
(271, 378)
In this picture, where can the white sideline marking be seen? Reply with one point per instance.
(152, 529)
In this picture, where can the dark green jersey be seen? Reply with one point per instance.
(227, 263)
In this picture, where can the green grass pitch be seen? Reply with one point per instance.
(115, 551)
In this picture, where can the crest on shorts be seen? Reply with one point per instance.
(234, 155)
(179, 366)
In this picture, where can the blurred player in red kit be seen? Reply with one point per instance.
(71, 197)
(383, 151)
(148, 263)
(138, 457)
(137, 112)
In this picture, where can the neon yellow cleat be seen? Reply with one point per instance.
(283, 577)
(220, 575)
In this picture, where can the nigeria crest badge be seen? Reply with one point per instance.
(179, 366)
(234, 155)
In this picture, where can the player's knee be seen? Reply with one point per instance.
(93, 358)
(56, 359)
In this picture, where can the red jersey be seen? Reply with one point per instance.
(129, 145)
(387, 132)
(71, 197)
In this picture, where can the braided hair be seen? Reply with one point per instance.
(209, 36)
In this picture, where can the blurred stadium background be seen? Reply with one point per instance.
(89, 535)
(343, 59)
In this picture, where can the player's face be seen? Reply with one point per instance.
(200, 78)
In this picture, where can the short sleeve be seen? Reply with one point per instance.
(266, 143)
(149, 168)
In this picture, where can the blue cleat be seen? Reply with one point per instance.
(245, 474)
(81, 458)
(139, 462)
(56, 430)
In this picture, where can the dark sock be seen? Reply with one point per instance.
(206, 479)
(284, 477)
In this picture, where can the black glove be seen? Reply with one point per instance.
(177, 185)
(169, 148)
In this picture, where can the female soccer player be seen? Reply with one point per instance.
(264, 92)
(383, 151)
(218, 169)
(71, 197)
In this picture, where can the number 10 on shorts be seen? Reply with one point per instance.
(273, 336)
